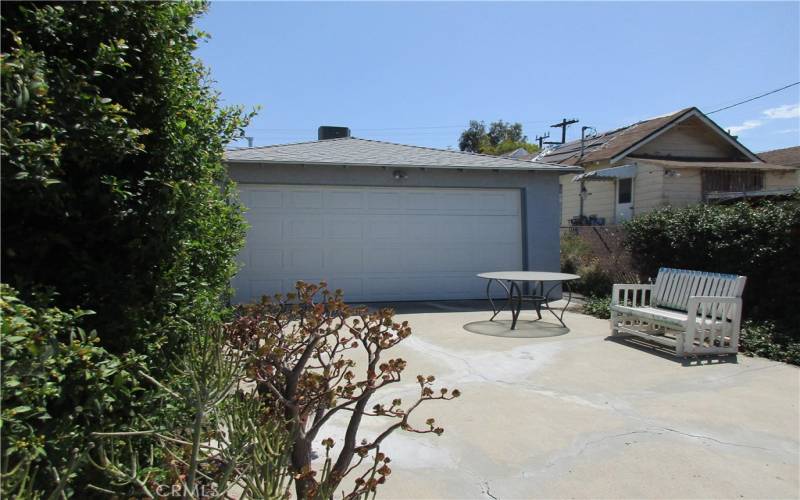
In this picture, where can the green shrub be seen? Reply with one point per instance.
(599, 307)
(113, 189)
(574, 251)
(760, 241)
(57, 386)
(766, 340)
(114, 196)
(576, 258)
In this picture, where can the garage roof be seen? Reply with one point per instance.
(354, 151)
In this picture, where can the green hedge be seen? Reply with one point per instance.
(58, 385)
(760, 241)
(114, 193)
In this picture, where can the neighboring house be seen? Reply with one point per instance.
(679, 159)
(789, 157)
(386, 221)
(519, 154)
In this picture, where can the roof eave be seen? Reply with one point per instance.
(524, 167)
(684, 116)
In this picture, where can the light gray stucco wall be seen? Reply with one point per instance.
(541, 208)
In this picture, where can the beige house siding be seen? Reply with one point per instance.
(684, 188)
(689, 139)
(648, 188)
(782, 180)
(599, 202)
(570, 200)
(651, 190)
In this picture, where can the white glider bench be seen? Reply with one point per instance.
(692, 311)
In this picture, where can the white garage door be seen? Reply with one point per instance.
(378, 244)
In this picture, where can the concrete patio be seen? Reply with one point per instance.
(580, 416)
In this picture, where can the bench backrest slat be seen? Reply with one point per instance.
(673, 287)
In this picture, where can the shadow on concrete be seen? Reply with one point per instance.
(665, 352)
(524, 329)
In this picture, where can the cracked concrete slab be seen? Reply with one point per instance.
(580, 416)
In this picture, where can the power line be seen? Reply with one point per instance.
(386, 129)
(754, 98)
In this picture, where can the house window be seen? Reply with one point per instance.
(625, 191)
(732, 181)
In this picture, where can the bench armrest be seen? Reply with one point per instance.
(729, 308)
(633, 294)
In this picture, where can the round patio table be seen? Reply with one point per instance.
(510, 280)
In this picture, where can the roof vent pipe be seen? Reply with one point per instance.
(328, 132)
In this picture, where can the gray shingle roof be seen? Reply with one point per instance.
(354, 151)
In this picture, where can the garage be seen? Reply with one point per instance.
(377, 243)
(390, 222)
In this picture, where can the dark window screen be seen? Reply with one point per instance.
(625, 190)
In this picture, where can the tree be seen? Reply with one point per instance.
(302, 351)
(114, 200)
(501, 131)
(502, 137)
(113, 190)
(471, 138)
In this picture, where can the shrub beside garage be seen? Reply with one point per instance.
(760, 240)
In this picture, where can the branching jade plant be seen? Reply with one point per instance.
(303, 350)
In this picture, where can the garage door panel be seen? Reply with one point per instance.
(496, 204)
(266, 198)
(350, 260)
(303, 227)
(450, 230)
(304, 199)
(264, 232)
(501, 257)
(266, 260)
(382, 228)
(378, 244)
(381, 259)
(353, 288)
(497, 229)
(347, 228)
(387, 288)
(259, 288)
(423, 258)
(458, 201)
(421, 229)
(344, 200)
(425, 200)
(384, 200)
(455, 259)
(303, 259)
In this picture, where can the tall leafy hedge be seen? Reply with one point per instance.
(113, 190)
(58, 385)
(114, 200)
(760, 241)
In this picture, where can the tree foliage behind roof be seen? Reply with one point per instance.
(113, 190)
(501, 138)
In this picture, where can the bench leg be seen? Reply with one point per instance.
(614, 322)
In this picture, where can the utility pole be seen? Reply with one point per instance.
(540, 138)
(563, 126)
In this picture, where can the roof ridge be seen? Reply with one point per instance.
(288, 144)
(671, 118)
(428, 148)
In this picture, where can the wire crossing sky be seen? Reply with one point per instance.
(416, 73)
